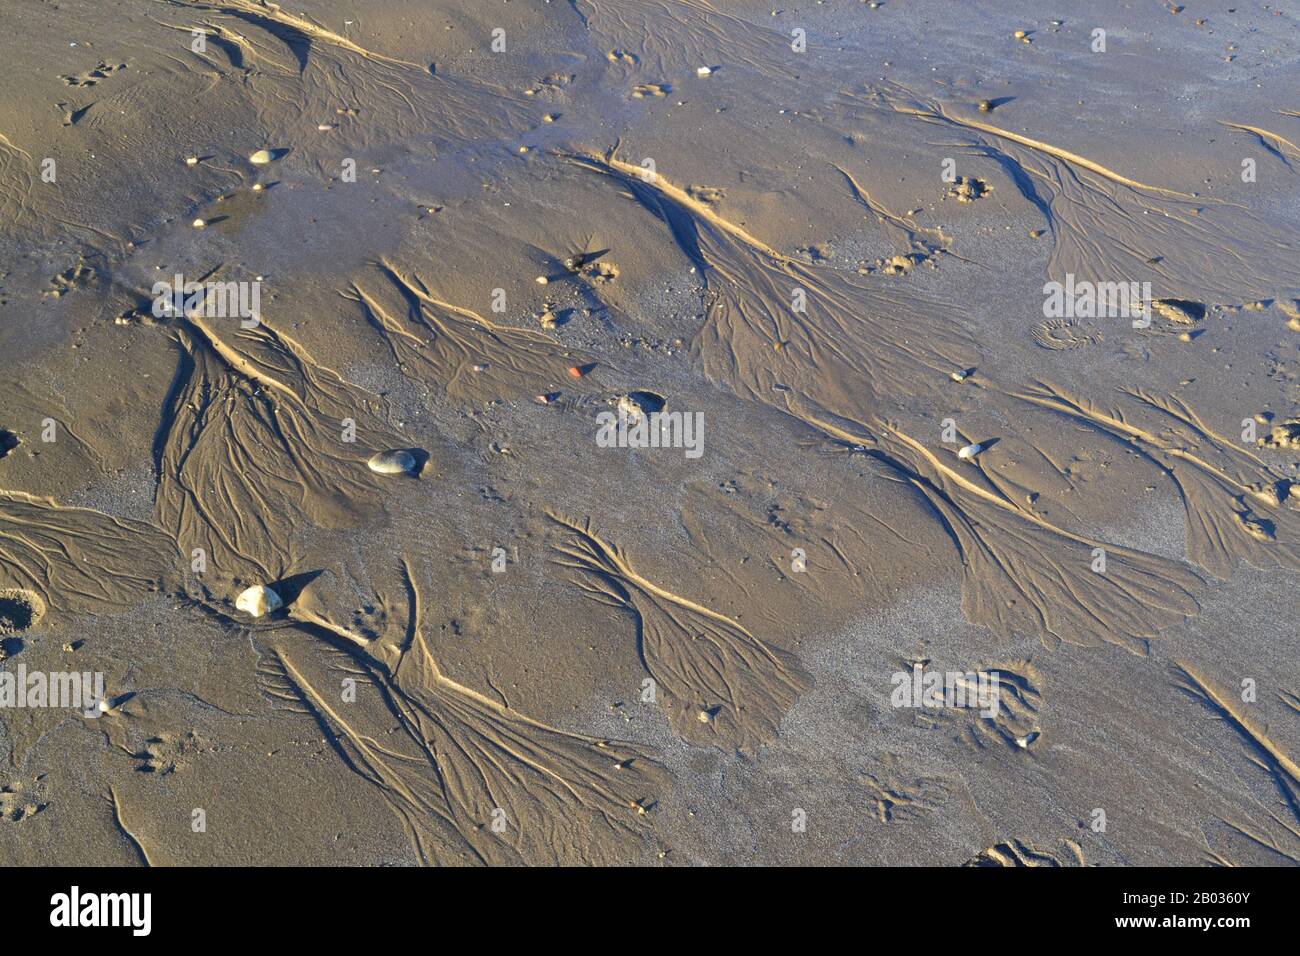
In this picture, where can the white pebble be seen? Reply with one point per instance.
(396, 462)
(258, 601)
(970, 451)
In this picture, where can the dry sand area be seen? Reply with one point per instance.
(369, 578)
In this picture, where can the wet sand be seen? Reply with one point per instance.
(825, 234)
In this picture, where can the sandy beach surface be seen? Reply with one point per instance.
(649, 432)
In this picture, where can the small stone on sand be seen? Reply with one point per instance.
(399, 461)
(261, 157)
(633, 406)
(258, 601)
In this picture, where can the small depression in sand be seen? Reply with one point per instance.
(640, 402)
(20, 610)
(1060, 335)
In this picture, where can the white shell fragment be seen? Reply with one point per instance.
(199, 223)
(396, 462)
(258, 601)
(970, 451)
(261, 157)
(703, 71)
